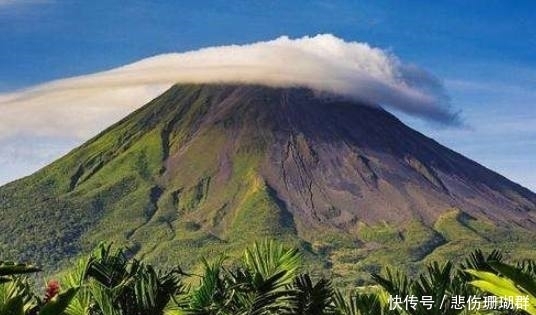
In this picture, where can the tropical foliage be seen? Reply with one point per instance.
(269, 279)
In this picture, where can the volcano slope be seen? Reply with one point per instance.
(206, 169)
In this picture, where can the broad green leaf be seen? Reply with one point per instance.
(9, 268)
(59, 303)
(501, 286)
(517, 275)
(14, 306)
(494, 289)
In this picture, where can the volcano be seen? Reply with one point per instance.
(205, 169)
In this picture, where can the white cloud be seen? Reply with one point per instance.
(83, 105)
(23, 155)
(69, 111)
(80, 107)
(22, 2)
(6, 3)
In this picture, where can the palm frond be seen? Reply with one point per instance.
(311, 299)
(268, 258)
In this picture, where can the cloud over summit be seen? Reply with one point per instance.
(74, 109)
(322, 62)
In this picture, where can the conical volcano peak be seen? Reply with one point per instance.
(209, 167)
(287, 108)
(329, 159)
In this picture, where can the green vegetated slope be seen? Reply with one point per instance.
(115, 188)
(188, 176)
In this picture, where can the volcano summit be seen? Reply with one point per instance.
(207, 168)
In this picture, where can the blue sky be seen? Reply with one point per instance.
(483, 51)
